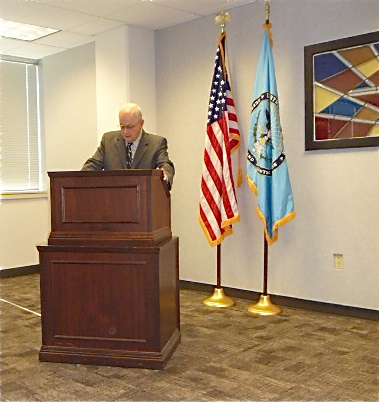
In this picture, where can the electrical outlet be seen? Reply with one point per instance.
(338, 261)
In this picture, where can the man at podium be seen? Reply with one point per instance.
(132, 147)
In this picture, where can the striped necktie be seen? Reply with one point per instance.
(129, 155)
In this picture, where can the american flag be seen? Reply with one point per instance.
(218, 203)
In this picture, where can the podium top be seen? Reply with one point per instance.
(102, 173)
(110, 208)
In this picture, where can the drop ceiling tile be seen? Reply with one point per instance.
(65, 39)
(204, 7)
(55, 17)
(9, 44)
(152, 15)
(12, 10)
(96, 26)
(35, 51)
(94, 7)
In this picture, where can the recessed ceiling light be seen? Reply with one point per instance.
(16, 30)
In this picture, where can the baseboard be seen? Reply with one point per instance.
(321, 307)
(30, 269)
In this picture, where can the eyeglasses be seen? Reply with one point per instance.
(128, 127)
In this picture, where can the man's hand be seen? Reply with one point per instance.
(165, 178)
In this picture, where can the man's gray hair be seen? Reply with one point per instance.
(132, 108)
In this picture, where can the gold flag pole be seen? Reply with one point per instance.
(264, 305)
(219, 299)
(221, 18)
(267, 11)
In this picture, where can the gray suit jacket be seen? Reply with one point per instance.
(151, 153)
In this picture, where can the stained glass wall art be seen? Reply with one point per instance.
(342, 93)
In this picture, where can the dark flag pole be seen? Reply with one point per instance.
(264, 305)
(219, 266)
(265, 264)
(219, 299)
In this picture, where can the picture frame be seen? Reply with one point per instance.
(342, 93)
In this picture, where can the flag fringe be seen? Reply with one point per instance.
(267, 26)
(220, 38)
(234, 137)
(251, 184)
(277, 224)
(228, 222)
(239, 178)
(284, 220)
(228, 231)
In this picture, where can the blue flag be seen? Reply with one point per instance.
(267, 171)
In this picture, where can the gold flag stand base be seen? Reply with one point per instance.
(264, 307)
(219, 299)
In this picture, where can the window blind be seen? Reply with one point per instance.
(20, 153)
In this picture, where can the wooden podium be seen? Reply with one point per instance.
(110, 271)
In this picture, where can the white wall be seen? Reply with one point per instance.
(111, 89)
(70, 107)
(24, 225)
(335, 202)
(142, 74)
(125, 72)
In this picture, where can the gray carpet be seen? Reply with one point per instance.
(225, 355)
